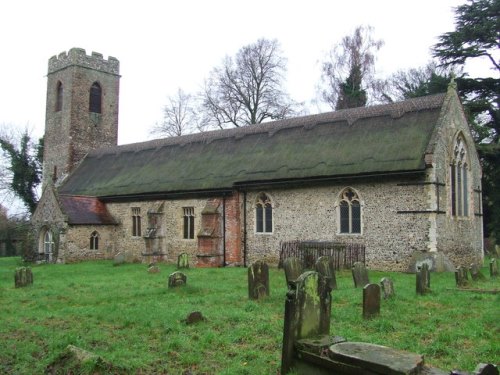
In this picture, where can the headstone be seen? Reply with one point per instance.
(119, 259)
(177, 279)
(293, 269)
(493, 267)
(326, 268)
(371, 301)
(307, 313)
(183, 261)
(360, 275)
(461, 277)
(475, 272)
(153, 269)
(387, 287)
(423, 279)
(258, 280)
(194, 317)
(486, 369)
(23, 277)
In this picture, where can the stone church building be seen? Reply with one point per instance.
(401, 179)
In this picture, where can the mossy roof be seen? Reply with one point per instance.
(380, 139)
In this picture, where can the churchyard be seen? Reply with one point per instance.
(128, 320)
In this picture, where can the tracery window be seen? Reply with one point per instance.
(349, 212)
(263, 214)
(188, 223)
(95, 100)
(47, 244)
(136, 221)
(94, 241)
(459, 171)
(59, 96)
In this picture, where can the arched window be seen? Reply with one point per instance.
(263, 214)
(95, 98)
(349, 212)
(94, 241)
(59, 96)
(47, 244)
(459, 170)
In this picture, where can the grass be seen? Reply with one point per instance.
(131, 319)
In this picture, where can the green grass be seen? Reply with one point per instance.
(131, 319)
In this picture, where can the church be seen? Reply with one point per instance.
(400, 179)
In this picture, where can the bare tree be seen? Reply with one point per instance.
(348, 73)
(179, 116)
(248, 89)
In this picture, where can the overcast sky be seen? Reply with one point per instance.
(163, 45)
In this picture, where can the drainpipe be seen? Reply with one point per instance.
(244, 229)
(224, 230)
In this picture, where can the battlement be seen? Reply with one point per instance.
(78, 57)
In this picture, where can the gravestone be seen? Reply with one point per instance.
(423, 279)
(182, 261)
(23, 277)
(293, 269)
(461, 277)
(326, 268)
(360, 275)
(307, 313)
(177, 279)
(387, 287)
(194, 317)
(258, 280)
(486, 369)
(153, 268)
(371, 301)
(475, 272)
(119, 259)
(493, 268)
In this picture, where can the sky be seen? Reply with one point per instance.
(170, 44)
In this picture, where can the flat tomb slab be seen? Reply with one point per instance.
(377, 358)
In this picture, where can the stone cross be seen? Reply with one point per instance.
(177, 279)
(387, 287)
(307, 313)
(182, 261)
(258, 280)
(360, 275)
(423, 279)
(23, 277)
(293, 268)
(475, 272)
(493, 267)
(461, 277)
(371, 301)
(326, 268)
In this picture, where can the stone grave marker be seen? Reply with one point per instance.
(119, 259)
(360, 275)
(293, 269)
(177, 279)
(493, 267)
(153, 268)
(461, 277)
(23, 277)
(423, 279)
(475, 272)
(194, 317)
(326, 268)
(258, 280)
(387, 287)
(371, 301)
(182, 261)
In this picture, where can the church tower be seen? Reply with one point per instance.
(82, 110)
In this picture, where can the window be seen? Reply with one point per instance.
(47, 244)
(95, 98)
(94, 241)
(263, 214)
(188, 222)
(349, 212)
(459, 191)
(59, 96)
(136, 221)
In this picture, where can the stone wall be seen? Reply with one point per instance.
(77, 243)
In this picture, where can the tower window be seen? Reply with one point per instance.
(95, 102)
(59, 96)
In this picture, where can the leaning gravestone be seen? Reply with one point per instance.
(182, 261)
(23, 277)
(258, 280)
(293, 269)
(461, 277)
(493, 268)
(119, 259)
(387, 287)
(475, 272)
(371, 301)
(326, 268)
(423, 279)
(360, 275)
(177, 279)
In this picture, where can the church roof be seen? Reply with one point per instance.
(381, 139)
(85, 210)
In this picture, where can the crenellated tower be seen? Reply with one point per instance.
(82, 109)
